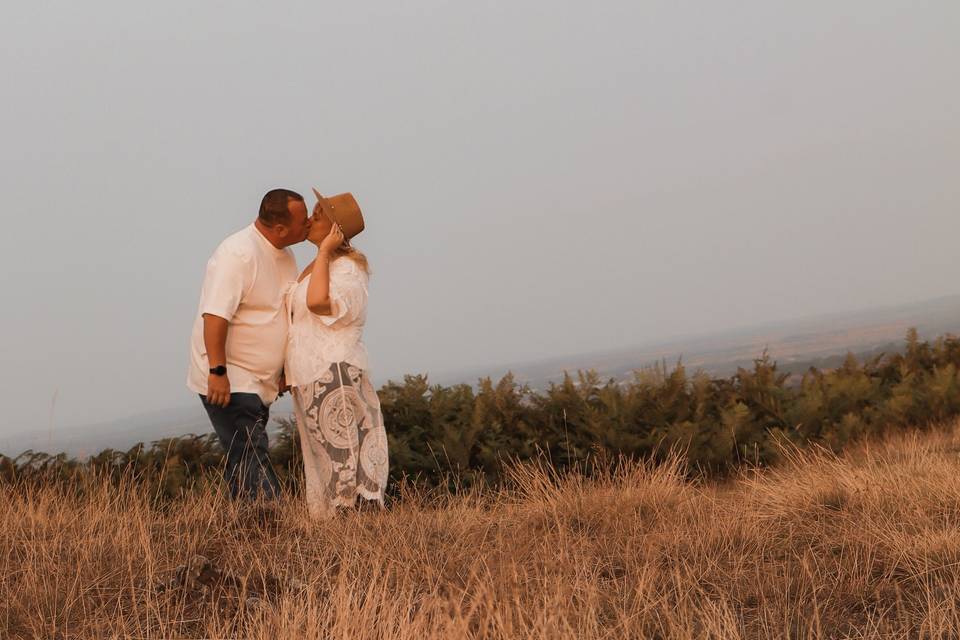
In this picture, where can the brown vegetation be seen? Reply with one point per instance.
(864, 545)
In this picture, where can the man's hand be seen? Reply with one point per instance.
(218, 390)
(215, 340)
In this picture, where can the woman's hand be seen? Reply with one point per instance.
(333, 240)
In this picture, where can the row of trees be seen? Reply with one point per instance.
(459, 435)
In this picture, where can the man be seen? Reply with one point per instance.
(240, 334)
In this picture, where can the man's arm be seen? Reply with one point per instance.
(215, 341)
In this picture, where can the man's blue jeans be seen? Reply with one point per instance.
(242, 429)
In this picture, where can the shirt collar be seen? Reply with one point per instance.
(264, 240)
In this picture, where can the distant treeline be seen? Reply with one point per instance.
(459, 435)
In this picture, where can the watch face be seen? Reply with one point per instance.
(218, 371)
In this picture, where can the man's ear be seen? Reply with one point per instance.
(281, 230)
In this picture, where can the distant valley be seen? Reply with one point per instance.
(820, 341)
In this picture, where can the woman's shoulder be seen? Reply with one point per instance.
(346, 266)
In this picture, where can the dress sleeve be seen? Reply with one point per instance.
(348, 293)
(227, 278)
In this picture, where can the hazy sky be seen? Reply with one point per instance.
(538, 178)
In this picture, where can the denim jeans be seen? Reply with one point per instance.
(242, 429)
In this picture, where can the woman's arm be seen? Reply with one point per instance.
(318, 291)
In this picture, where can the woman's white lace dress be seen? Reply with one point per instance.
(338, 413)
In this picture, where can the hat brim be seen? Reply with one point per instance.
(326, 210)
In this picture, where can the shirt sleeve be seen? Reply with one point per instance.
(348, 294)
(227, 279)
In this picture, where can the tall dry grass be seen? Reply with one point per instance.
(861, 546)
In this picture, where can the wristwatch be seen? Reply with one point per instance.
(220, 370)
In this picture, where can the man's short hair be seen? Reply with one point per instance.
(274, 208)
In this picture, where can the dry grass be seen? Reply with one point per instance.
(863, 546)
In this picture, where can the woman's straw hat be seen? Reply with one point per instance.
(343, 210)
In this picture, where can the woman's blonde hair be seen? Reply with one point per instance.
(354, 254)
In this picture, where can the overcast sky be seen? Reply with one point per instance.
(538, 178)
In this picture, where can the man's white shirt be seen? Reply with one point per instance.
(246, 282)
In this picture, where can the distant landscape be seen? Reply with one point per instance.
(821, 341)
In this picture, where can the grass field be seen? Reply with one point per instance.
(862, 546)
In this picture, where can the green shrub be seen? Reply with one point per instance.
(457, 436)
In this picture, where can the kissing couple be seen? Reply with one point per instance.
(263, 327)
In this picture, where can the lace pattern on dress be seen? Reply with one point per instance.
(343, 439)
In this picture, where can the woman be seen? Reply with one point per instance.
(338, 412)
